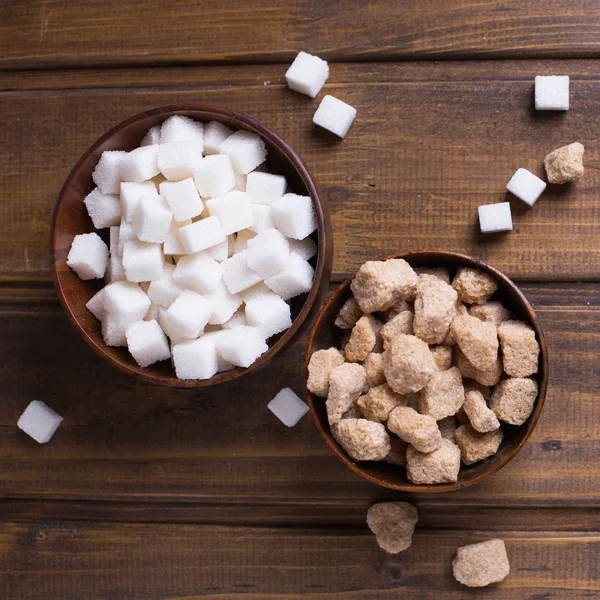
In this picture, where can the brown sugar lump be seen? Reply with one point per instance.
(481, 417)
(474, 286)
(378, 403)
(442, 355)
(396, 309)
(447, 428)
(362, 339)
(408, 364)
(435, 307)
(486, 377)
(419, 430)
(321, 364)
(440, 272)
(397, 455)
(520, 349)
(362, 439)
(478, 565)
(443, 396)
(402, 323)
(380, 284)
(477, 340)
(490, 312)
(565, 164)
(349, 314)
(374, 369)
(346, 384)
(513, 400)
(461, 309)
(475, 446)
(440, 466)
(393, 524)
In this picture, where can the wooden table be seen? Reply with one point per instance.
(148, 493)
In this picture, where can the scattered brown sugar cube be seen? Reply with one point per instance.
(419, 430)
(482, 418)
(393, 524)
(362, 439)
(379, 402)
(346, 384)
(440, 272)
(348, 315)
(380, 284)
(484, 377)
(513, 400)
(477, 340)
(408, 364)
(474, 286)
(490, 312)
(475, 446)
(442, 355)
(402, 323)
(374, 369)
(397, 455)
(520, 349)
(321, 364)
(440, 466)
(447, 428)
(461, 309)
(478, 565)
(362, 339)
(565, 164)
(443, 396)
(396, 309)
(435, 307)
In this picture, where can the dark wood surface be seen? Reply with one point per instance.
(149, 493)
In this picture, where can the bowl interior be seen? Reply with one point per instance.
(324, 335)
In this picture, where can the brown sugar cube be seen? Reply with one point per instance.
(461, 309)
(443, 396)
(393, 524)
(513, 400)
(565, 164)
(490, 312)
(419, 430)
(362, 339)
(346, 384)
(374, 369)
(402, 323)
(440, 466)
(380, 284)
(478, 565)
(362, 439)
(435, 307)
(475, 446)
(447, 428)
(486, 377)
(520, 349)
(474, 286)
(477, 340)
(348, 315)
(321, 364)
(440, 272)
(408, 364)
(378, 403)
(396, 309)
(481, 417)
(442, 355)
(397, 455)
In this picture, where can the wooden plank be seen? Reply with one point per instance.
(431, 142)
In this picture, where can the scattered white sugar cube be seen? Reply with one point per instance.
(142, 261)
(96, 304)
(234, 211)
(172, 246)
(335, 116)
(196, 359)
(241, 240)
(307, 74)
(183, 199)
(240, 182)
(237, 275)
(152, 136)
(182, 129)
(288, 407)
(269, 313)
(126, 302)
(147, 343)
(201, 235)
(131, 192)
(305, 248)
(165, 290)
(220, 252)
(198, 272)
(39, 421)
(115, 270)
(267, 253)
(224, 304)
(152, 219)
(526, 186)
(163, 321)
(178, 160)
(88, 256)
(241, 346)
(246, 150)
(113, 331)
(189, 314)
(265, 188)
(107, 174)
(238, 319)
(152, 314)
(262, 218)
(214, 134)
(495, 217)
(295, 279)
(552, 92)
(260, 289)
(126, 234)
(104, 209)
(294, 216)
(140, 164)
(214, 176)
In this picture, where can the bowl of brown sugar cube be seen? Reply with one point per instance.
(426, 371)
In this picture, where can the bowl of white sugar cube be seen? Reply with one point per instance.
(190, 245)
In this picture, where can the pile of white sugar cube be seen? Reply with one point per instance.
(206, 248)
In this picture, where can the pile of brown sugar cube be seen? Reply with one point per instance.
(428, 371)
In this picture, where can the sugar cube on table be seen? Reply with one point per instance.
(241, 240)
(165, 290)
(307, 74)
(267, 253)
(104, 209)
(182, 198)
(295, 279)
(96, 304)
(237, 275)
(126, 234)
(334, 115)
(113, 331)
(552, 92)
(131, 192)
(234, 211)
(241, 346)
(140, 164)
(126, 302)
(294, 216)
(214, 176)
(288, 407)
(201, 235)
(114, 270)
(189, 314)
(246, 151)
(214, 134)
(182, 129)
(39, 421)
(88, 256)
(198, 272)
(269, 313)
(494, 218)
(152, 136)
(224, 304)
(152, 219)
(196, 359)
(107, 174)
(526, 186)
(147, 343)
(172, 246)
(305, 248)
(265, 188)
(177, 160)
(142, 261)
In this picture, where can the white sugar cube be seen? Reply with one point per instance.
(107, 174)
(495, 217)
(183, 199)
(240, 182)
(88, 256)
(552, 92)
(182, 129)
(294, 216)
(305, 248)
(140, 164)
(178, 160)
(220, 252)
(267, 253)
(115, 270)
(288, 407)
(126, 234)
(189, 314)
(214, 176)
(104, 209)
(131, 192)
(152, 219)
(201, 235)
(165, 290)
(214, 134)
(172, 246)
(163, 321)
(113, 331)
(295, 279)
(96, 304)
(269, 313)
(142, 261)
(198, 272)
(39, 421)
(224, 304)
(334, 115)
(152, 136)
(152, 314)
(196, 359)
(526, 186)
(237, 275)
(260, 289)
(307, 74)
(241, 346)
(262, 218)
(246, 150)
(241, 240)
(238, 319)
(126, 302)
(234, 211)
(265, 188)
(147, 343)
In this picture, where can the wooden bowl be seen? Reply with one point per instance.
(71, 218)
(324, 334)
